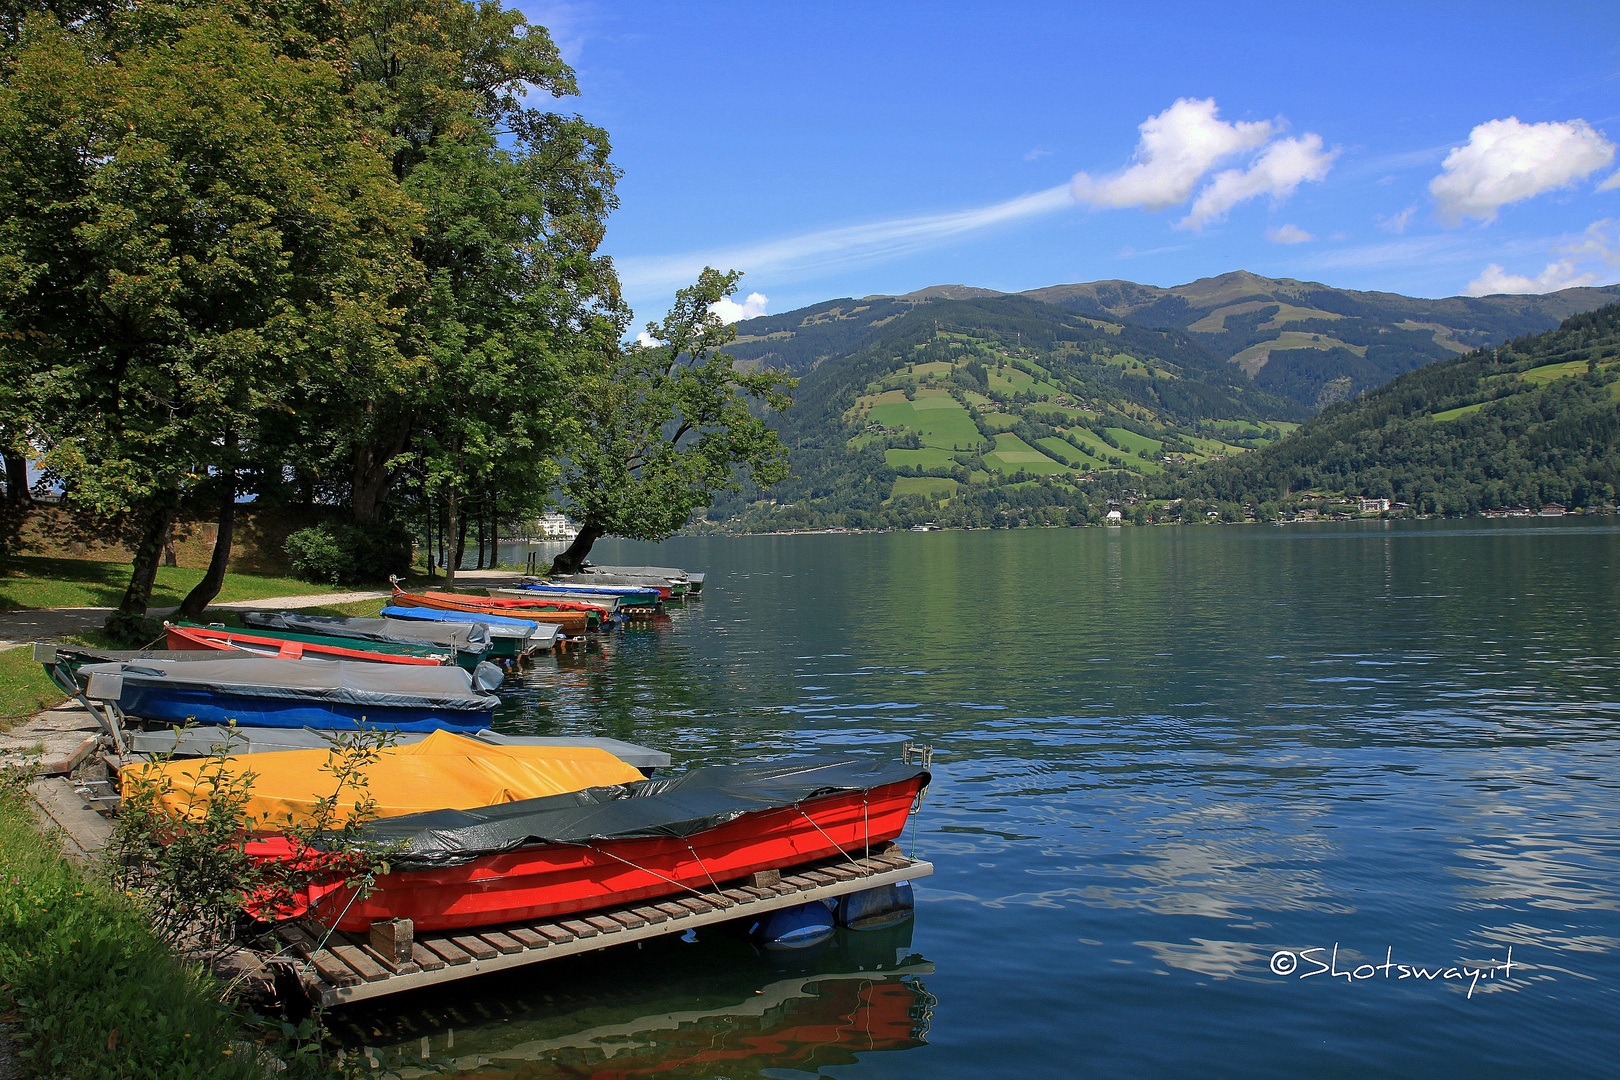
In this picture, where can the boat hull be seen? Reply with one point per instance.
(550, 880)
(177, 705)
(572, 622)
(294, 646)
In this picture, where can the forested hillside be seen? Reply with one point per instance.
(958, 411)
(1534, 421)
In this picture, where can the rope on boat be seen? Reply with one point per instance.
(829, 839)
(722, 901)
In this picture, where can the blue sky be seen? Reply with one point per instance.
(846, 149)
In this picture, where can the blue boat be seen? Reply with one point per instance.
(271, 692)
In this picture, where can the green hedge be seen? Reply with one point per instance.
(90, 994)
(350, 554)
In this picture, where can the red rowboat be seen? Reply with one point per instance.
(548, 878)
(573, 617)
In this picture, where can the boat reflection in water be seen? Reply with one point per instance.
(677, 1008)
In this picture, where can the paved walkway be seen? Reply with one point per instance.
(49, 624)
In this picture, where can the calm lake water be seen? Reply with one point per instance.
(1164, 757)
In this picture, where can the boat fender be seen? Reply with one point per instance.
(872, 909)
(796, 927)
(487, 676)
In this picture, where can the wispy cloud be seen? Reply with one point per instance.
(1397, 223)
(831, 248)
(1288, 234)
(1579, 260)
(1037, 153)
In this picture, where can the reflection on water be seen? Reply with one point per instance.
(715, 1006)
(1163, 755)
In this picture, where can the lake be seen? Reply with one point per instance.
(1178, 771)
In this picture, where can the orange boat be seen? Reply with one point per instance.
(574, 618)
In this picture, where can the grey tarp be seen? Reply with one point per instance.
(678, 806)
(673, 573)
(351, 682)
(470, 637)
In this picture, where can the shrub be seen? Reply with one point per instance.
(347, 554)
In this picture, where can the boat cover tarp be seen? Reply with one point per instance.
(539, 629)
(471, 637)
(346, 681)
(680, 806)
(673, 573)
(441, 770)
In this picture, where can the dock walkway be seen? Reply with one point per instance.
(338, 968)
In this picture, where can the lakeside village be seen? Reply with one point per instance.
(1132, 508)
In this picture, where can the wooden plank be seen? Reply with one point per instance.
(529, 939)
(604, 924)
(387, 963)
(841, 872)
(758, 893)
(425, 958)
(446, 950)
(649, 914)
(369, 969)
(553, 933)
(333, 970)
(504, 943)
(472, 943)
(673, 910)
(817, 877)
(626, 919)
(894, 862)
(694, 905)
(798, 881)
(578, 929)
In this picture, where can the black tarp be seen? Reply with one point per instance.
(678, 806)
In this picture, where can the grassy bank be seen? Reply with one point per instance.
(24, 688)
(33, 581)
(87, 990)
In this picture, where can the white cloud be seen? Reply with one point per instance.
(1288, 234)
(1599, 244)
(832, 248)
(647, 341)
(1177, 147)
(1558, 275)
(1277, 172)
(1506, 161)
(1397, 224)
(1037, 153)
(1611, 183)
(730, 311)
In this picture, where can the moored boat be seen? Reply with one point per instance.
(540, 858)
(674, 573)
(668, 588)
(184, 635)
(542, 635)
(272, 692)
(573, 618)
(472, 641)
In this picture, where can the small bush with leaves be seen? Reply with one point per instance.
(346, 554)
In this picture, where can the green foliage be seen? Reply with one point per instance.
(668, 424)
(1460, 435)
(350, 554)
(89, 991)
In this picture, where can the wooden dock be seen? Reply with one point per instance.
(338, 968)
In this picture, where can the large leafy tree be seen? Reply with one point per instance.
(668, 421)
(193, 223)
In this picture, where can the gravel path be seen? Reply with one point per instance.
(48, 624)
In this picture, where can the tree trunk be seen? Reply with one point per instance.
(126, 622)
(481, 520)
(370, 477)
(203, 594)
(570, 561)
(452, 558)
(460, 533)
(17, 479)
(432, 552)
(169, 556)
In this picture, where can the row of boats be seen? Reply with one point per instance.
(480, 830)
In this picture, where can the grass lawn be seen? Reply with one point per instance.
(1549, 372)
(1013, 453)
(1133, 442)
(924, 485)
(1452, 414)
(1062, 451)
(24, 689)
(87, 990)
(926, 458)
(31, 581)
(935, 415)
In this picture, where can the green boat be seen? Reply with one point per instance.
(472, 643)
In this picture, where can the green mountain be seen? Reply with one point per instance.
(1304, 341)
(959, 410)
(1536, 420)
